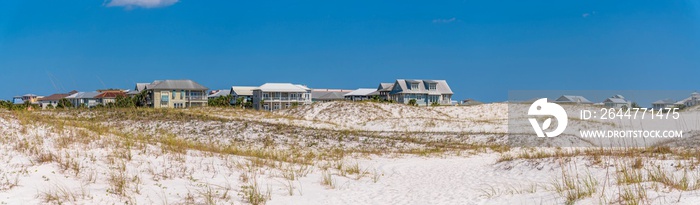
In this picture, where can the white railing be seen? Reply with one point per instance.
(196, 98)
(269, 99)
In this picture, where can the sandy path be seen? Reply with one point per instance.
(453, 180)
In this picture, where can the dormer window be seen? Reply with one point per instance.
(414, 86)
(432, 86)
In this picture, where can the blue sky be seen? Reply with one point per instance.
(482, 48)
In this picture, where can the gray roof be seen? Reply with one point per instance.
(618, 96)
(219, 93)
(404, 87)
(385, 86)
(176, 85)
(616, 100)
(572, 99)
(374, 93)
(328, 95)
(242, 90)
(471, 102)
(83, 95)
(681, 102)
(141, 86)
(664, 102)
(361, 92)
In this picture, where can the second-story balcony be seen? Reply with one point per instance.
(196, 98)
(274, 99)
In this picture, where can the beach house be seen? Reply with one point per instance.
(423, 92)
(275, 96)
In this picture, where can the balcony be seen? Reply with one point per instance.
(196, 98)
(277, 99)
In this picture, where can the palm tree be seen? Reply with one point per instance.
(239, 102)
(141, 98)
(64, 103)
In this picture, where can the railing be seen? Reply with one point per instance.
(283, 99)
(196, 98)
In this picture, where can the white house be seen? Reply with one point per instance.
(245, 92)
(360, 94)
(424, 92)
(693, 100)
(86, 99)
(275, 96)
(617, 101)
(661, 104)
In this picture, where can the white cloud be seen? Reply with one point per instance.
(450, 20)
(141, 3)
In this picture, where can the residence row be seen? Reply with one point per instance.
(274, 96)
(619, 101)
(269, 96)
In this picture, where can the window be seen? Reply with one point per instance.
(433, 98)
(414, 86)
(174, 94)
(182, 94)
(164, 97)
(432, 86)
(266, 95)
